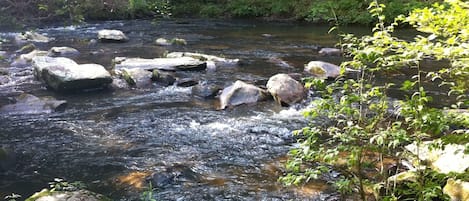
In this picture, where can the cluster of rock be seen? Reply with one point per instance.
(59, 72)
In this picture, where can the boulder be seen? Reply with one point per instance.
(169, 64)
(174, 41)
(322, 69)
(163, 78)
(285, 89)
(162, 42)
(107, 35)
(327, 51)
(63, 52)
(29, 104)
(204, 90)
(62, 74)
(26, 59)
(219, 61)
(137, 77)
(457, 190)
(53, 195)
(241, 93)
(449, 159)
(33, 37)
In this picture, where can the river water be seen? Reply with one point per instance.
(116, 141)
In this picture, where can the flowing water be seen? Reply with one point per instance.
(117, 141)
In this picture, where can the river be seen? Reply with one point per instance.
(116, 141)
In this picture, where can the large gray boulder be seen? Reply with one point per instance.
(29, 104)
(322, 69)
(137, 77)
(241, 93)
(285, 89)
(219, 61)
(33, 37)
(107, 35)
(63, 52)
(62, 74)
(169, 64)
(77, 195)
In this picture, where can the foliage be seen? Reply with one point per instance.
(363, 127)
(147, 195)
(62, 185)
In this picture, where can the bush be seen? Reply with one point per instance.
(363, 127)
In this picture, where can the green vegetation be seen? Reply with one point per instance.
(355, 127)
(74, 11)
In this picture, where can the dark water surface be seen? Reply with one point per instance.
(115, 140)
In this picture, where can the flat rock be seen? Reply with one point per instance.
(62, 74)
(241, 93)
(169, 64)
(285, 89)
(322, 69)
(107, 35)
(219, 61)
(63, 52)
(29, 104)
(327, 51)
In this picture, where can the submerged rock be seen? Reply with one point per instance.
(30, 36)
(186, 82)
(241, 93)
(171, 64)
(327, 51)
(204, 90)
(107, 35)
(78, 195)
(63, 52)
(450, 159)
(322, 69)
(29, 104)
(279, 62)
(137, 77)
(219, 61)
(457, 190)
(62, 74)
(285, 89)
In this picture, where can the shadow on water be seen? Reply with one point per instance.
(117, 141)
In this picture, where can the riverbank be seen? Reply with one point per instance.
(27, 12)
